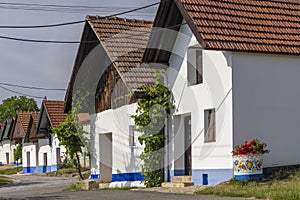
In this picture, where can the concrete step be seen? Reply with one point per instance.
(176, 185)
(104, 185)
(182, 179)
(87, 184)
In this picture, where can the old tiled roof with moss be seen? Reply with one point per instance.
(265, 26)
(55, 112)
(124, 39)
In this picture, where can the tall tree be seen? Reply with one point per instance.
(10, 105)
(68, 134)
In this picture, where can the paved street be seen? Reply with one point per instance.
(40, 187)
(30, 186)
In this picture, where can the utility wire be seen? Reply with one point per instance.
(47, 25)
(32, 87)
(28, 95)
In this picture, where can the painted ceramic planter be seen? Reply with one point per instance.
(248, 167)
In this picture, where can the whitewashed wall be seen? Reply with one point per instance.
(266, 96)
(32, 148)
(2, 156)
(213, 158)
(7, 149)
(125, 161)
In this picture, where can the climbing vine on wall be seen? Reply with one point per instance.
(152, 111)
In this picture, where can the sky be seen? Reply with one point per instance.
(49, 65)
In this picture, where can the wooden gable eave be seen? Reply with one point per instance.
(42, 115)
(190, 21)
(83, 50)
(168, 16)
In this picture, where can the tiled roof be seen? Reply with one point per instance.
(35, 116)
(270, 26)
(125, 40)
(55, 112)
(24, 118)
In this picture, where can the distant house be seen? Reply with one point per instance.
(31, 145)
(7, 156)
(19, 129)
(1, 146)
(49, 153)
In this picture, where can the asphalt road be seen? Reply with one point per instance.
(40, 187)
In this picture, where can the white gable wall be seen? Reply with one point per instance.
(266, 96)
(126, 165)
(213, 159)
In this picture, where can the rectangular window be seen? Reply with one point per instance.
(195, 66)
(209, 125)
(131, 136)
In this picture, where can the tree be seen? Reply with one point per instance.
(68, 134)
(151, 113)
(10, 105)
(18, 153)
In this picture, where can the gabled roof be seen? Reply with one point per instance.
(259, 26)
(31, 134)
(51, 114)
(21, 124)
(123, 39)
(8, 128)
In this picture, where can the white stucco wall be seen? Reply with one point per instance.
(29, 147)
(2, 159)
(214, 92)
(7, 149)
(124, 158)
(266, 96)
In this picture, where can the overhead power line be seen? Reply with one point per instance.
(73, 22)
(32, 87)
(46, 25)
(16, 92)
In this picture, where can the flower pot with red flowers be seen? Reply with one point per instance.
(247, 160)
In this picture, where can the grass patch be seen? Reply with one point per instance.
(11, 171)
(4, 180)
(72, 188)
(283, 186)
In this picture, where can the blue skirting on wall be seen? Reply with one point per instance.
(12, 163)
(127, 177)
(94, 176)
(205, 176)
(43, 169)
(29, 170)
(248, 177)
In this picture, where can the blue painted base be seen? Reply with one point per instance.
(94, 176)
(44, 169)
(0, 163)
(248, 177)
(29, 170)
(209, 177)
(127, 177)
(12, 163)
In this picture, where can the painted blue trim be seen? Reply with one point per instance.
(248, 177)
(214, 176)
(94, 176)
(53, 168)
(0, 163)
(127, 177)
(12, 163)
(29, 170)
(44, 169)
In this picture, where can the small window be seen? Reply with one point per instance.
(210, 125)
(131, 136)
(195, 66)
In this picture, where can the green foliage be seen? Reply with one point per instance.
(274, 190)
(68, 134)
(10, 105)
(18, 153)
(150, 118)
(11, 171)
